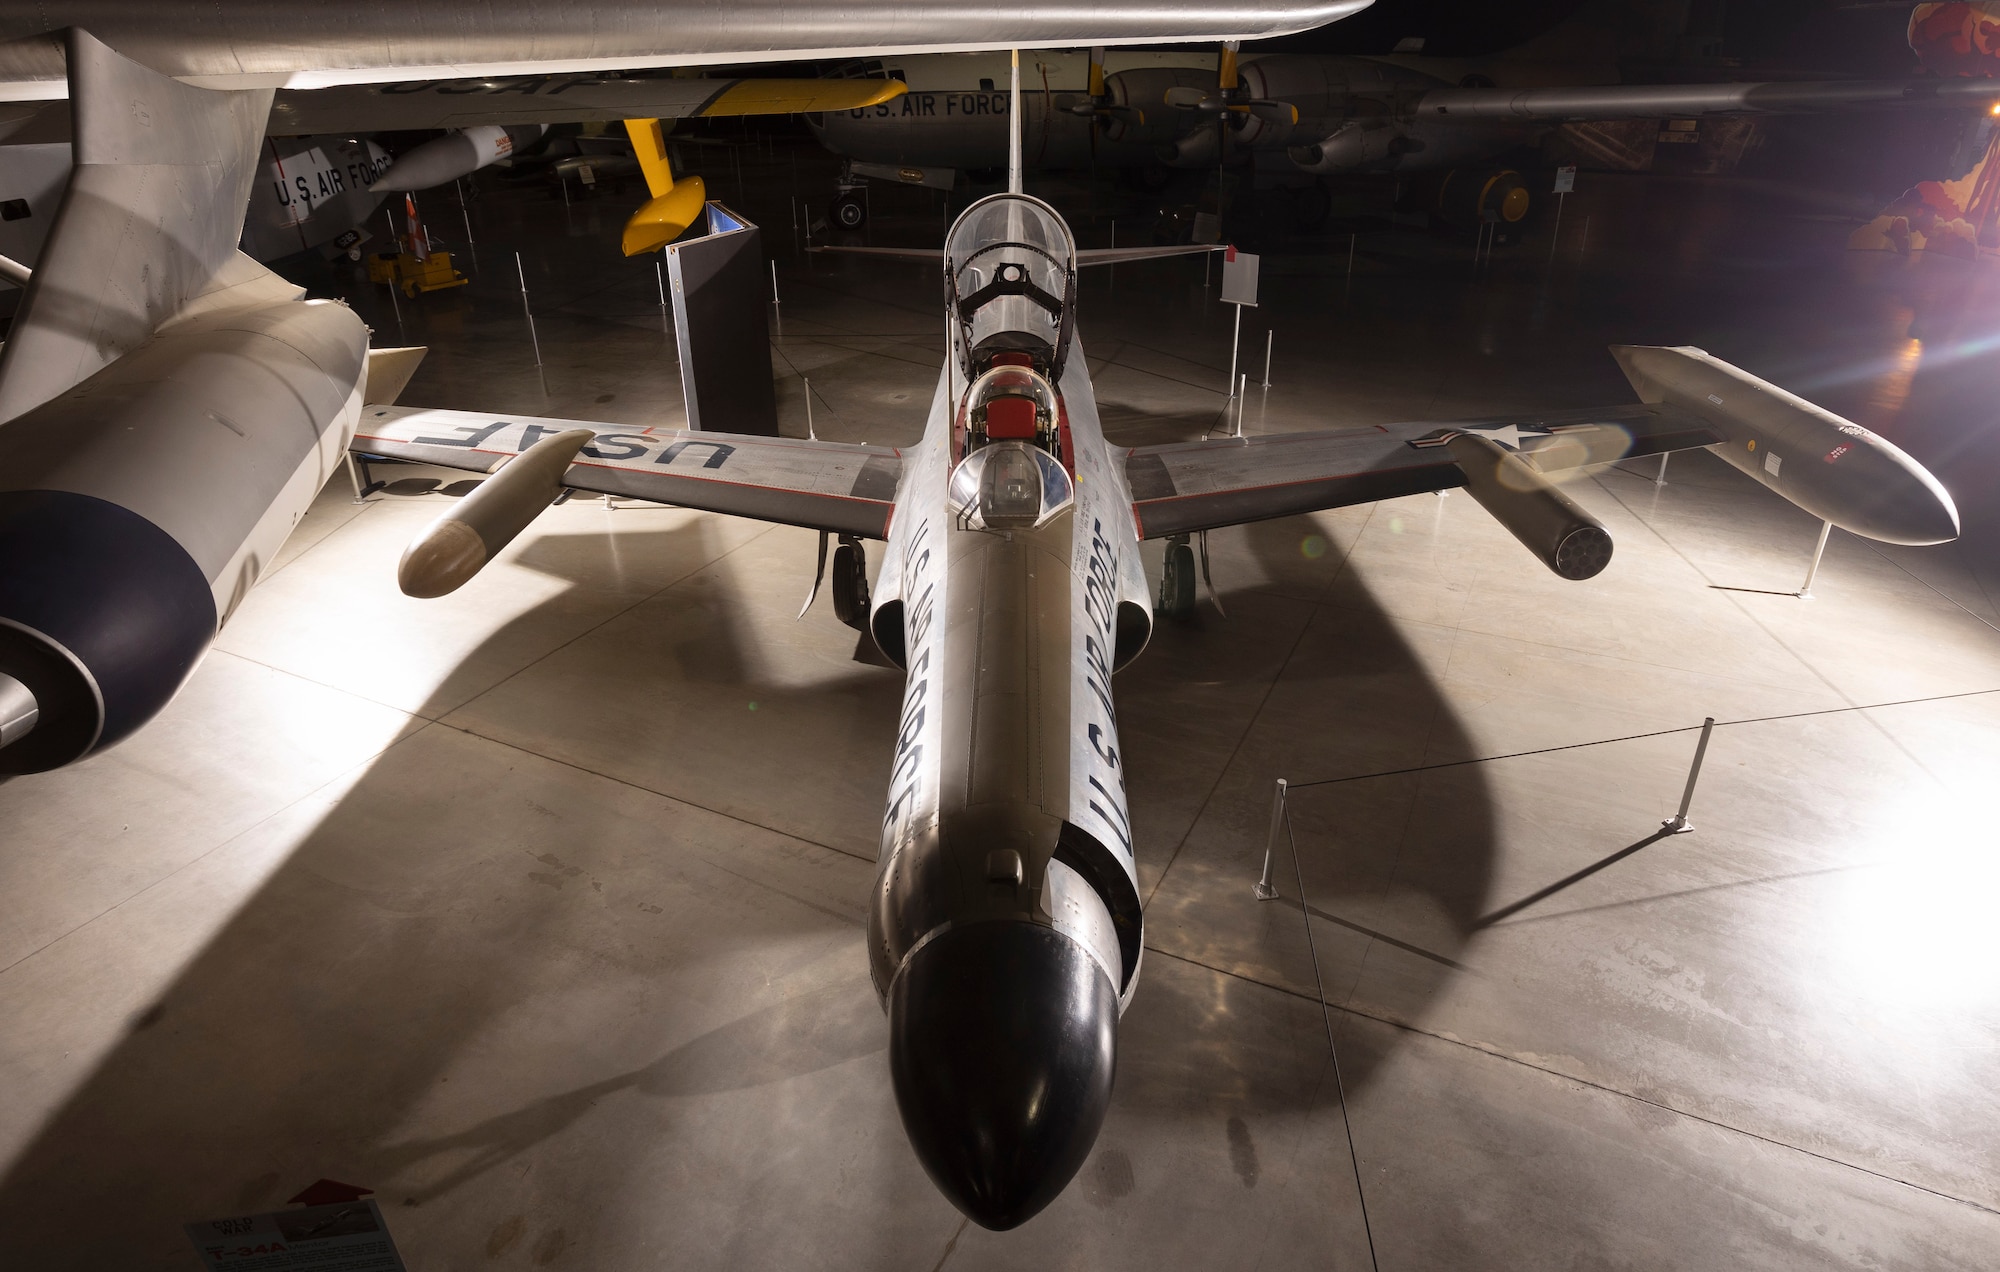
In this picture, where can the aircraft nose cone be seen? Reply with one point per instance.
(1002, 1042)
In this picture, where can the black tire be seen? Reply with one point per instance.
(1177, 582)
(850, 212)
(850, 586)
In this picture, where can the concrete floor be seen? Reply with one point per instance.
(539, 908)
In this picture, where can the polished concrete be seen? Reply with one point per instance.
(539, 908)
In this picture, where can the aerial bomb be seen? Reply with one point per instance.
(1547, 522)
(460, 543)
(1833, 468)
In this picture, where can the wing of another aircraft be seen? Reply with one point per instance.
(839, 487)
(1648, 101)
(1190, 486)
(1084, 255)
(560, 99)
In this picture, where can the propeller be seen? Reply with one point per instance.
(1101, 106)
(1228, 98)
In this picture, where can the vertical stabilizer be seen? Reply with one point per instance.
(149, 223)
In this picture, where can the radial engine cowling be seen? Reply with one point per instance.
(137, 508)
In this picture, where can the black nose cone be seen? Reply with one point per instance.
(1002, 1041)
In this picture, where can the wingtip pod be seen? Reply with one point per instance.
(459, 544)
(1832, 467)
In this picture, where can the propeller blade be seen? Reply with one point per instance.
(1273, 112)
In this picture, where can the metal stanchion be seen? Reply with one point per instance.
(1660, 478)
(1679, 824)
(529, 313)
(1267, 357)
(1235, 338)
(810, 435)
(471, 248)
(1265, 889)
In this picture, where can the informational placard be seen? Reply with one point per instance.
(347, 1236)
(1565, 180)
(1239, 278)
(722, 320)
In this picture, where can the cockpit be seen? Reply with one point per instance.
(1011, 283)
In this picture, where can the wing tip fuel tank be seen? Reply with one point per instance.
(1832, 467)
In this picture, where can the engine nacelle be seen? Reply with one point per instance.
(1352, 146)
(137, 508)
(1547, 522)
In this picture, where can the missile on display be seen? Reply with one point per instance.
(460, 543)
(454, 155)
(1547, 522)
(1833, 468)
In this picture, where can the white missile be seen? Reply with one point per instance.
(460, 543)
(1833, 468)
(454, 155)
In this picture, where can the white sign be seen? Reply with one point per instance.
(348, 1236)
(1239, 278)
(1565, 180)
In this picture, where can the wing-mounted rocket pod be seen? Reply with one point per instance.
(1833, 468)
(1547, 522)
(460, 543)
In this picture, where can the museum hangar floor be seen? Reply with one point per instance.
(538, 909)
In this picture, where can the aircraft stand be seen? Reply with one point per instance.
(1812, 571)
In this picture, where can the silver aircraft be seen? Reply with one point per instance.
(1005, 931)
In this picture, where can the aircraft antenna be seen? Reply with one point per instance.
(1014, 125)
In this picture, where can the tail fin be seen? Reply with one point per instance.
(148, 225)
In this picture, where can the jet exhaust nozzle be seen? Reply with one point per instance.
(1547, 522)
(1002, 1046)
(459, 544)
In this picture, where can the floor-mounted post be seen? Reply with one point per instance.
(1660, 478)
(1812, 571)
(1679, 824)
(1267, 357)
(534, 339)
(1235, 338)
(1265, 889)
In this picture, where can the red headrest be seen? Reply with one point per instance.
(1010, 417)
(1014, 360)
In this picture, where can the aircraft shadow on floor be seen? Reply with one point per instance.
(321, 1021)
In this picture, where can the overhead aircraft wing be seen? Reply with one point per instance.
(1188, 486)
(1651, 101)
(1084, 255)
(562, 99)
(834, 486)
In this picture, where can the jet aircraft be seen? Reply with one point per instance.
(159, 444)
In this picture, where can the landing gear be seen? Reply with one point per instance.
(1177, 581)
(850, 583)
(850, 210)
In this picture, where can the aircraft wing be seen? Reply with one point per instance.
(1084, 255)
(1650, 101)
(834, 486)
(1189, 486)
